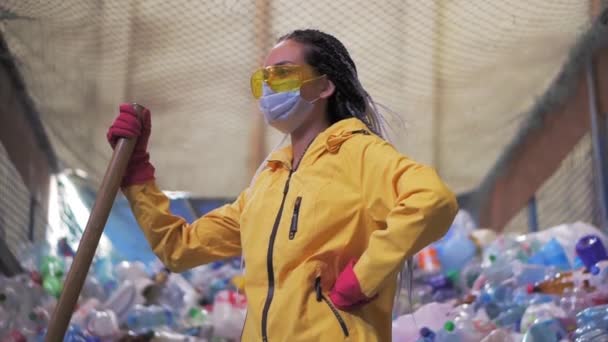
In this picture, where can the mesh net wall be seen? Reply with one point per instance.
(459, 73)
(569, 195)
(20, 222)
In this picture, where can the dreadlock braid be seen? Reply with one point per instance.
(328, 56)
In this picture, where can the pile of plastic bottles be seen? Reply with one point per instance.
(470, 286)
(125, 302)
(542, 287)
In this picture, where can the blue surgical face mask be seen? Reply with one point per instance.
(285, 111)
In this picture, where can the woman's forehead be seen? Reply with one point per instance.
(285, 52)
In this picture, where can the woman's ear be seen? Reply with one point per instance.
(328, 89)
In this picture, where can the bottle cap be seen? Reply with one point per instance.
(492, 258)
(530, 288)
(449, 326)
(591, 250)
(452, 276)
(424, 332)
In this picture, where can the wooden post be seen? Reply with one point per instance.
(90, 239)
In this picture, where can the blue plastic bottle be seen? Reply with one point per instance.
(456, 252)
(551, 254)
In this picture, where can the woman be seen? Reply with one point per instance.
(328, 222)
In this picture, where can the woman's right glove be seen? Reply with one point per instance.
(128, 125)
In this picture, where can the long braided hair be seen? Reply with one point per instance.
(328, 56)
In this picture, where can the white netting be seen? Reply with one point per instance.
(460, 73)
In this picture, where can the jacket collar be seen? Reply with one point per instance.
(329, 140)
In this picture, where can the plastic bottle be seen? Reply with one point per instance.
(81, 314)
(142, 319)
(456, 252)
(471, 326)
(551, 254)
(103, 324)
(590, 250)
(443, 286)
(590, 319)
(510, 318)
(428, 260)
(196, 317)
(531, 273)
(178, 294)
(469, 275)
(52, 269)
(228, 315)
(538, 313)
(499, 335)
(557, 285)
(499, 269)
(126, 297)
(127, 270)
(449, 333)
(92, 289)
(32, 323)
(73, 334)
(573, 301)
(431, 315)
(547, 330)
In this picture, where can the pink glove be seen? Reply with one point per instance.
(128, 125)
(346, 293)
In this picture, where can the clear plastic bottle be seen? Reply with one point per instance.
(547, 330)
(145, 318)
(510, 318)
(103, 324)
(449, 333)
(591, 319)
(573, 301)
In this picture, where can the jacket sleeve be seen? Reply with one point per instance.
(410, 202)
(181, 245)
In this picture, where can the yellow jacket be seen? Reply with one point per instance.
(352, 197)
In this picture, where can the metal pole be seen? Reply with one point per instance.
(532, 215)
(599, 156)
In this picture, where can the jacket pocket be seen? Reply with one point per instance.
(293, 228)
(322, 298)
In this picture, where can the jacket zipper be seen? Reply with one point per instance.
(293, 228)
(269, 265)
(361, 131)
(321, 297)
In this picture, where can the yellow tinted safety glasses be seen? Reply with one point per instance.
(281, 78)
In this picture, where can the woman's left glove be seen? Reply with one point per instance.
(346, 293)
